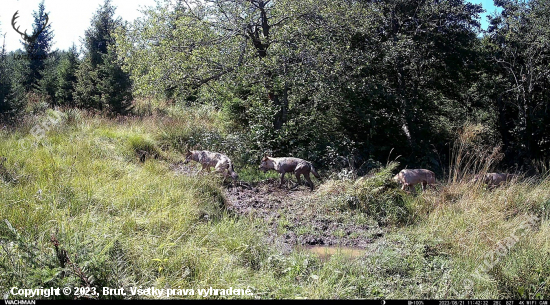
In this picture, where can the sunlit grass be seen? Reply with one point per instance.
(130, 222)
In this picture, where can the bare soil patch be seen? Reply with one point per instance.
(294, 214)
(296, 218)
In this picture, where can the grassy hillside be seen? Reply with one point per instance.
(99, 203)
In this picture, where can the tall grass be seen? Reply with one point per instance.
(122, 222)
(469, 154)
(81, 208)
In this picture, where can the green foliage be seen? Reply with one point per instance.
(517, 51)
(48, 84)
(114, 85)
(144, 147)
(15, 81)
(101, 83)
(164, 228)
(316, 77)
(66, 78)
(87, 94)
(374, 194)
(236, 112)
(82, 265)
(39, 51)
(524, 274)
(5, 84)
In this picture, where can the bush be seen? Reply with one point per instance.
(379, 197)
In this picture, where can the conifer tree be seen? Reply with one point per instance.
(5, 84)
(101, 82)
(66, 77)
(40, 48)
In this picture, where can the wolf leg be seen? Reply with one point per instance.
(224, 175)
(282, 179)
(298, 178)
(205, 167)
(306, 175)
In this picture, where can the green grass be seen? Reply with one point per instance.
(127, 223)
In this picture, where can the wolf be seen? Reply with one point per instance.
(411, 177)
(494, 179)
(289, 164)
(207, 159)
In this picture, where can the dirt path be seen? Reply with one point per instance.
(296, 216)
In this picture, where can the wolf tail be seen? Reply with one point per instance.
(234, 175)
(314, 172)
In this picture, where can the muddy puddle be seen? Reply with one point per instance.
(325, 252)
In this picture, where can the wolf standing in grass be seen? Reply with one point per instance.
(207, 159)
(494, 179)
(410, 177)
(285, 165)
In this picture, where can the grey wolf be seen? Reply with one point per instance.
(411, 177)
(290, 165)
(494, 179)
(207, 159)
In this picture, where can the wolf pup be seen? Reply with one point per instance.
(207, 159)
(286, 165)
(410, 177)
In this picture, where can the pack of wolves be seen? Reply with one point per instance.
(408, 178)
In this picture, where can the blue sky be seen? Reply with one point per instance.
(70, 18)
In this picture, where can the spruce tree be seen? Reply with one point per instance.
(101, 82)
(5, 83)
(39, 50)
(47, 85)
(66, 78)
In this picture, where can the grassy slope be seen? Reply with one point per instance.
(127, 223)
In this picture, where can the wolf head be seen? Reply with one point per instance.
(264, 166)
(188, 156)
(396, 178)
(481, 178)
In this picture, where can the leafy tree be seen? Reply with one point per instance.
(412, 77)
(517, 45)
(248, 50)
(101, 83)
(314, 76)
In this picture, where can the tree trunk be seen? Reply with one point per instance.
(281, 101)
(502, 126)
